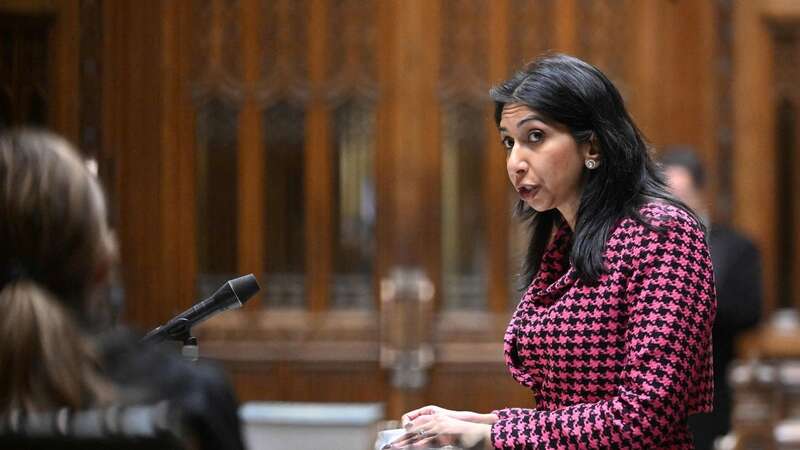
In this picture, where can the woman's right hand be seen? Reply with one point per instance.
(467, 416)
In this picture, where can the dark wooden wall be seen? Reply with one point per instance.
(662, 54)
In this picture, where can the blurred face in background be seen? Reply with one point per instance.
(682, 185)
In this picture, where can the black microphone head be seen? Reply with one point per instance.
(244, 287)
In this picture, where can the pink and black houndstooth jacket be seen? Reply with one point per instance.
(620, 364)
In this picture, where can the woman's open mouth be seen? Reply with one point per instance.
(527, 192)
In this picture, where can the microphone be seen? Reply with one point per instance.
(231, 295)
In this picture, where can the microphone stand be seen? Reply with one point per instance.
(190, 349)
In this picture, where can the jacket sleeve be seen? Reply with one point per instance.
(670, 300)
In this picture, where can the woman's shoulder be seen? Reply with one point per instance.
(658, 227)
(158, 368)
(659, 216)
(666, 214)
(201, 391)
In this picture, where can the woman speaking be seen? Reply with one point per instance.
(613, 332)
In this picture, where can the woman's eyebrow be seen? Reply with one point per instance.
(530, 118)
(523, 121)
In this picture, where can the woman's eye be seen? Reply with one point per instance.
(508, 143)
(535, 135)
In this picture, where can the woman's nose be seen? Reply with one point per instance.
(515, 164)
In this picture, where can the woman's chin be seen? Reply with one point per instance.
(539, 207)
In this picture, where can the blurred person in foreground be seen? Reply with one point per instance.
(56, 349)
(737, 275)
(613, 333)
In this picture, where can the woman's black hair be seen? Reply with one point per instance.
(578, 95)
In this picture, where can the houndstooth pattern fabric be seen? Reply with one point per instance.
(623, 362)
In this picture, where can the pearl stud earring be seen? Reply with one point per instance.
(591, 164)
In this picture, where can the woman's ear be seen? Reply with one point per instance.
(591, 153)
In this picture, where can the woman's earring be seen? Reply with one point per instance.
(591, 164)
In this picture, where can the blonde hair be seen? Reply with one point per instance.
(55, 245)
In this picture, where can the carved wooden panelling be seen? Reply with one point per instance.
(285, 214)
(216, 67)
(217, 91)
(787, 111)
(464, 85)
(351, 48)
(351, 93)
(24, 79)
(284, 51)
(216, 195)
(606, 35)
(531, 30)
(724, 107)
(355, 246)
(91, 44)
(464, 38)
(463, 217)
